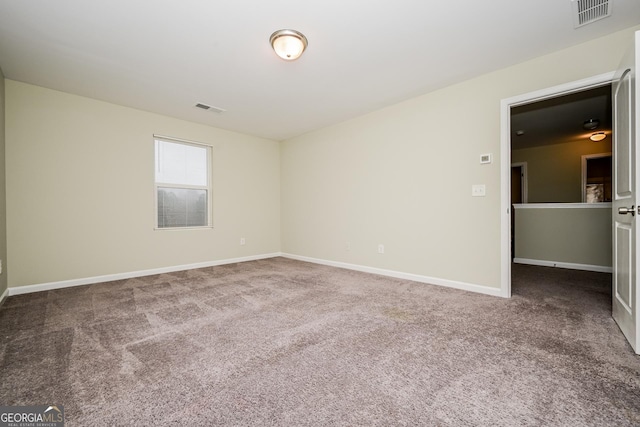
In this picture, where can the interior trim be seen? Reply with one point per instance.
(568, 265)
(18, 290)
(4, 296)
(604, 205)
(400, 275)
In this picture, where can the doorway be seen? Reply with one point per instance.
(518, 196)
(506, 171)
(597, 178)
(519, 183)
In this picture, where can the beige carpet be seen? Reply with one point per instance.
(282, 342)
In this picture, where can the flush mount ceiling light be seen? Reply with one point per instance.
(288, 44)
(598, 136)
(590, 124)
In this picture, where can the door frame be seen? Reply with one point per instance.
(505, 159)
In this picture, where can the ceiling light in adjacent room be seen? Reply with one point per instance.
(598, 136)
(288, 44)
(590, 124)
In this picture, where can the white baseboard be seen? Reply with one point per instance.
(18, 290)
(4, 296)
(400, 275)
(390, 273)
(569, 265)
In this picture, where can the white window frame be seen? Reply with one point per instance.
(208, 187)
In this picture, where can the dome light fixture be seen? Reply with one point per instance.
(288, 44)
(598, 136)
(591, 124)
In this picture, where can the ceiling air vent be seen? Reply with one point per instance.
(588, 11)
(209, 107)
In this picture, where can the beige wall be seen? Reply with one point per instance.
(554, 172)
(80, 182)
(402, 175)
(568, 235)
(3, 198)
(80, 193)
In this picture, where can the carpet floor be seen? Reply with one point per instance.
(287, 343)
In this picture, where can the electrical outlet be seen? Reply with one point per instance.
(242, 241)
(478, 190)
(380, 248)
(348, 247)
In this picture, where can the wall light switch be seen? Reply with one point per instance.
(478, 190)
(485, 158)
(242, 241)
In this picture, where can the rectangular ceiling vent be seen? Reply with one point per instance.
(210, 108)
(588, 11)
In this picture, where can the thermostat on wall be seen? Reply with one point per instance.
(485, 158)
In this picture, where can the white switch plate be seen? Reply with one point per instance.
(242, 241)
(380, 248)
(478, 190)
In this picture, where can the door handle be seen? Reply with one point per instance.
(624, 211)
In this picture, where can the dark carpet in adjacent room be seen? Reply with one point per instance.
(288, 343)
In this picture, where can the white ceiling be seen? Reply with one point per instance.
(165, 55)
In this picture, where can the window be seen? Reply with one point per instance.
(182, 184)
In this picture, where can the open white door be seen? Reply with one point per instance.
(625, 201)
